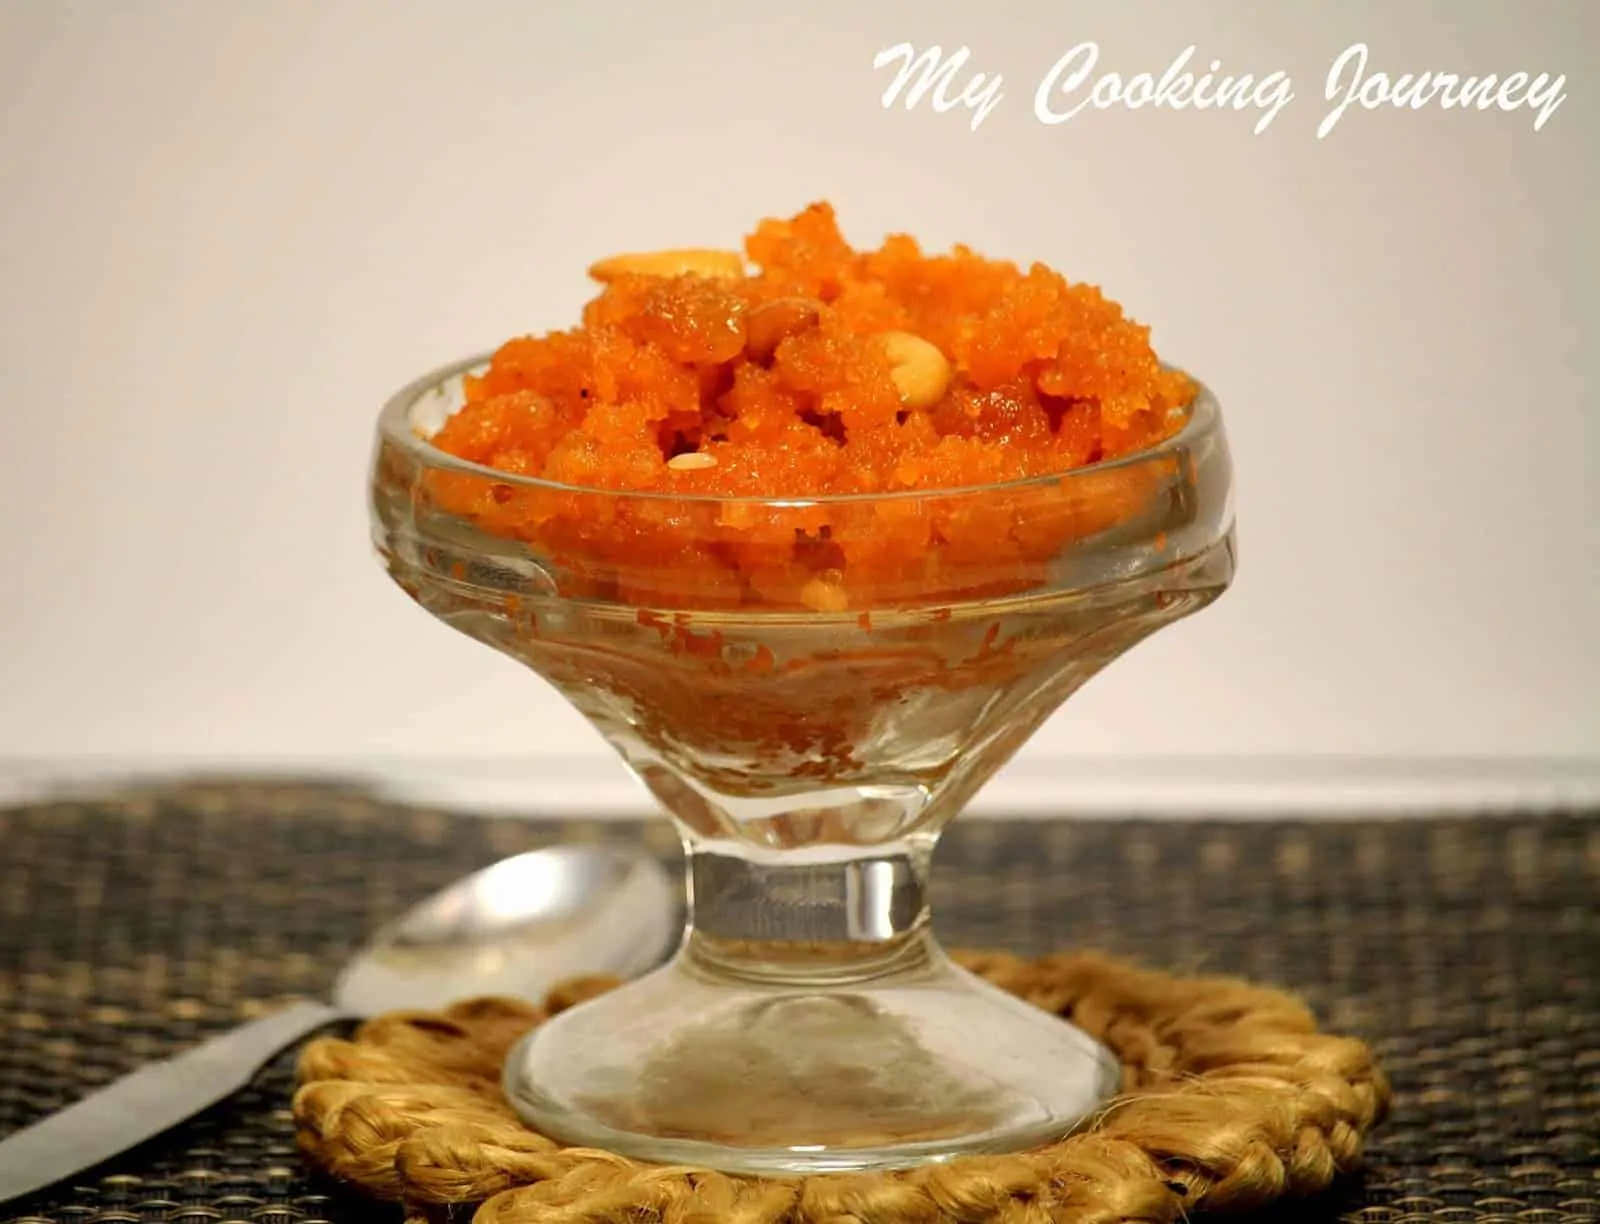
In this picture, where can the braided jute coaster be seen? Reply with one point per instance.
(1231, 1099)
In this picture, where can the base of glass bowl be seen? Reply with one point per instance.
(919, 1062)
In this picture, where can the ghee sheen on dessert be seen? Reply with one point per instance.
(802, 367)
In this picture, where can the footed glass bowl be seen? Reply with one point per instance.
(812, 689)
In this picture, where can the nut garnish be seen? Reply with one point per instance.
(694, 261)
(920, 371)
(692, 461)
(821, 595)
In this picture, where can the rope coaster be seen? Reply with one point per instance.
(1231, 1099)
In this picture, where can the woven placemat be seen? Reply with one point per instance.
(1463, 951)
(1231, 1099)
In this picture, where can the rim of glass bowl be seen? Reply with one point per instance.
(395, 424)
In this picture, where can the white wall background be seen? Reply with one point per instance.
(228, 230)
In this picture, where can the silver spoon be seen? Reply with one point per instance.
(515, 928)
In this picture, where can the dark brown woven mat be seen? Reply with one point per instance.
(1467, 952)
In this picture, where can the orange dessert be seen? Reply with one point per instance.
(725, 390)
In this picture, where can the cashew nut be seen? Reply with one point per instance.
(821, 595)
(920, 371)
(692, 461)
(692, 261)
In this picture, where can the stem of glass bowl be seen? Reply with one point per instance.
(824, 915)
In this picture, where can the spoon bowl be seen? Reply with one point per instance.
(517, 928)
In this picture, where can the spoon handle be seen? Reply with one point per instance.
(140, 1105)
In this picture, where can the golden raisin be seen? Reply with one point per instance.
(771, 323)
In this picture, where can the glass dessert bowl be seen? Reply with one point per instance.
(812, 688)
